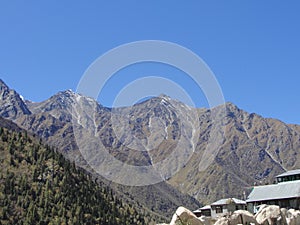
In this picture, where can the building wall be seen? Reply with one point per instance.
(288, 178)
(293, 203)
(214, 211)
(198, 214)
(226, 209)
(234, 207)
(206, 212)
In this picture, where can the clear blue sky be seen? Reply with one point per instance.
(252, 46)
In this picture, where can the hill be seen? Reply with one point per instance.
(52, 120)
(39, 186)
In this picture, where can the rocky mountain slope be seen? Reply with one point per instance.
(254, 151)
(11, 104)
(205, 153)
(52, 121)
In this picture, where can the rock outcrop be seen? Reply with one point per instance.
(12, 105)
(185, 216)
(292, 216)
(267, 215)
(238, 217)
(273, 215)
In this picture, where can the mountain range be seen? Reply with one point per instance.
(206, 154)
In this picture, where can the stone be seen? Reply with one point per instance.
(185, 216)
(269, 215)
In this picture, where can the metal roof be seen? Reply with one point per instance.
(289, 173)
(227, 201)
(197, 211)
(282, 190)
(205, 207)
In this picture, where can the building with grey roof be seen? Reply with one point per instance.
(288, 176)
(286, 193)
(204, 211)
(225, 206)
(221, 207)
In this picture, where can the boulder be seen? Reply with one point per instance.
(284, 215)
(223, 221)
(207, 220)
(292, 216)
(185, 216)
(238, 217)
(274, 215)
(242, 217)
(270, 215)
(267, 215)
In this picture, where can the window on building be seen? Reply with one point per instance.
(219, 209)
(284, 203)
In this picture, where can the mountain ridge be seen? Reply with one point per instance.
(11, 103)
(248, 148)
(55, 127)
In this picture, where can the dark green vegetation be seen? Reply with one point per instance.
(39, 186)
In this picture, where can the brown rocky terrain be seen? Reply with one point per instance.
(220, 152)
(254, 151)
(52, 121)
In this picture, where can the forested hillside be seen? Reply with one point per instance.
(39, 186)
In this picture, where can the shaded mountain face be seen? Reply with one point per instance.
(8, 124)
(11, 104)
(206, 153)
